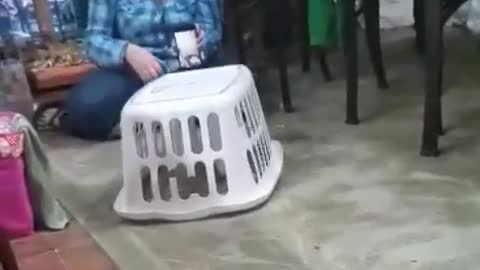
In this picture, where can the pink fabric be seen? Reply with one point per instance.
(11, 140)
(16, 215)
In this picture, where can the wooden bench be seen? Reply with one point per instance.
(7, 257)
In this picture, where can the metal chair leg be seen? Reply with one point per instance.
(372, 29)
(439, 122)
(284, 81)
(441, 89)
(238, 32)
(322, 61)
(448, 8)
(432, 114)
(305, 36)
(419, 25)
(351, 60)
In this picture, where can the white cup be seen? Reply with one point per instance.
(188, 51)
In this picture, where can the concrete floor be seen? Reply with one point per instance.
(355, 198)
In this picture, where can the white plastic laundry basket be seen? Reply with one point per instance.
(196, 144)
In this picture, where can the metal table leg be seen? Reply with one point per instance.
(433, 70)
(351, 59)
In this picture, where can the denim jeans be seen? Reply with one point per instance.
(93, 106)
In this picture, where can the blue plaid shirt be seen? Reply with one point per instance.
(114, 23)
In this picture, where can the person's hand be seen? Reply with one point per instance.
(143, 63)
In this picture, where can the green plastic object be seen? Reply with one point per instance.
(324, 23)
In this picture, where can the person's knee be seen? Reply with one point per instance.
(85, 119)
(93, 106)
(81, 112)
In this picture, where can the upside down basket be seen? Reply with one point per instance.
(196, 144)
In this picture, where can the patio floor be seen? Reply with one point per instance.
(349, 198)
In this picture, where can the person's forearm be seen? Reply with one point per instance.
(106, 51)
